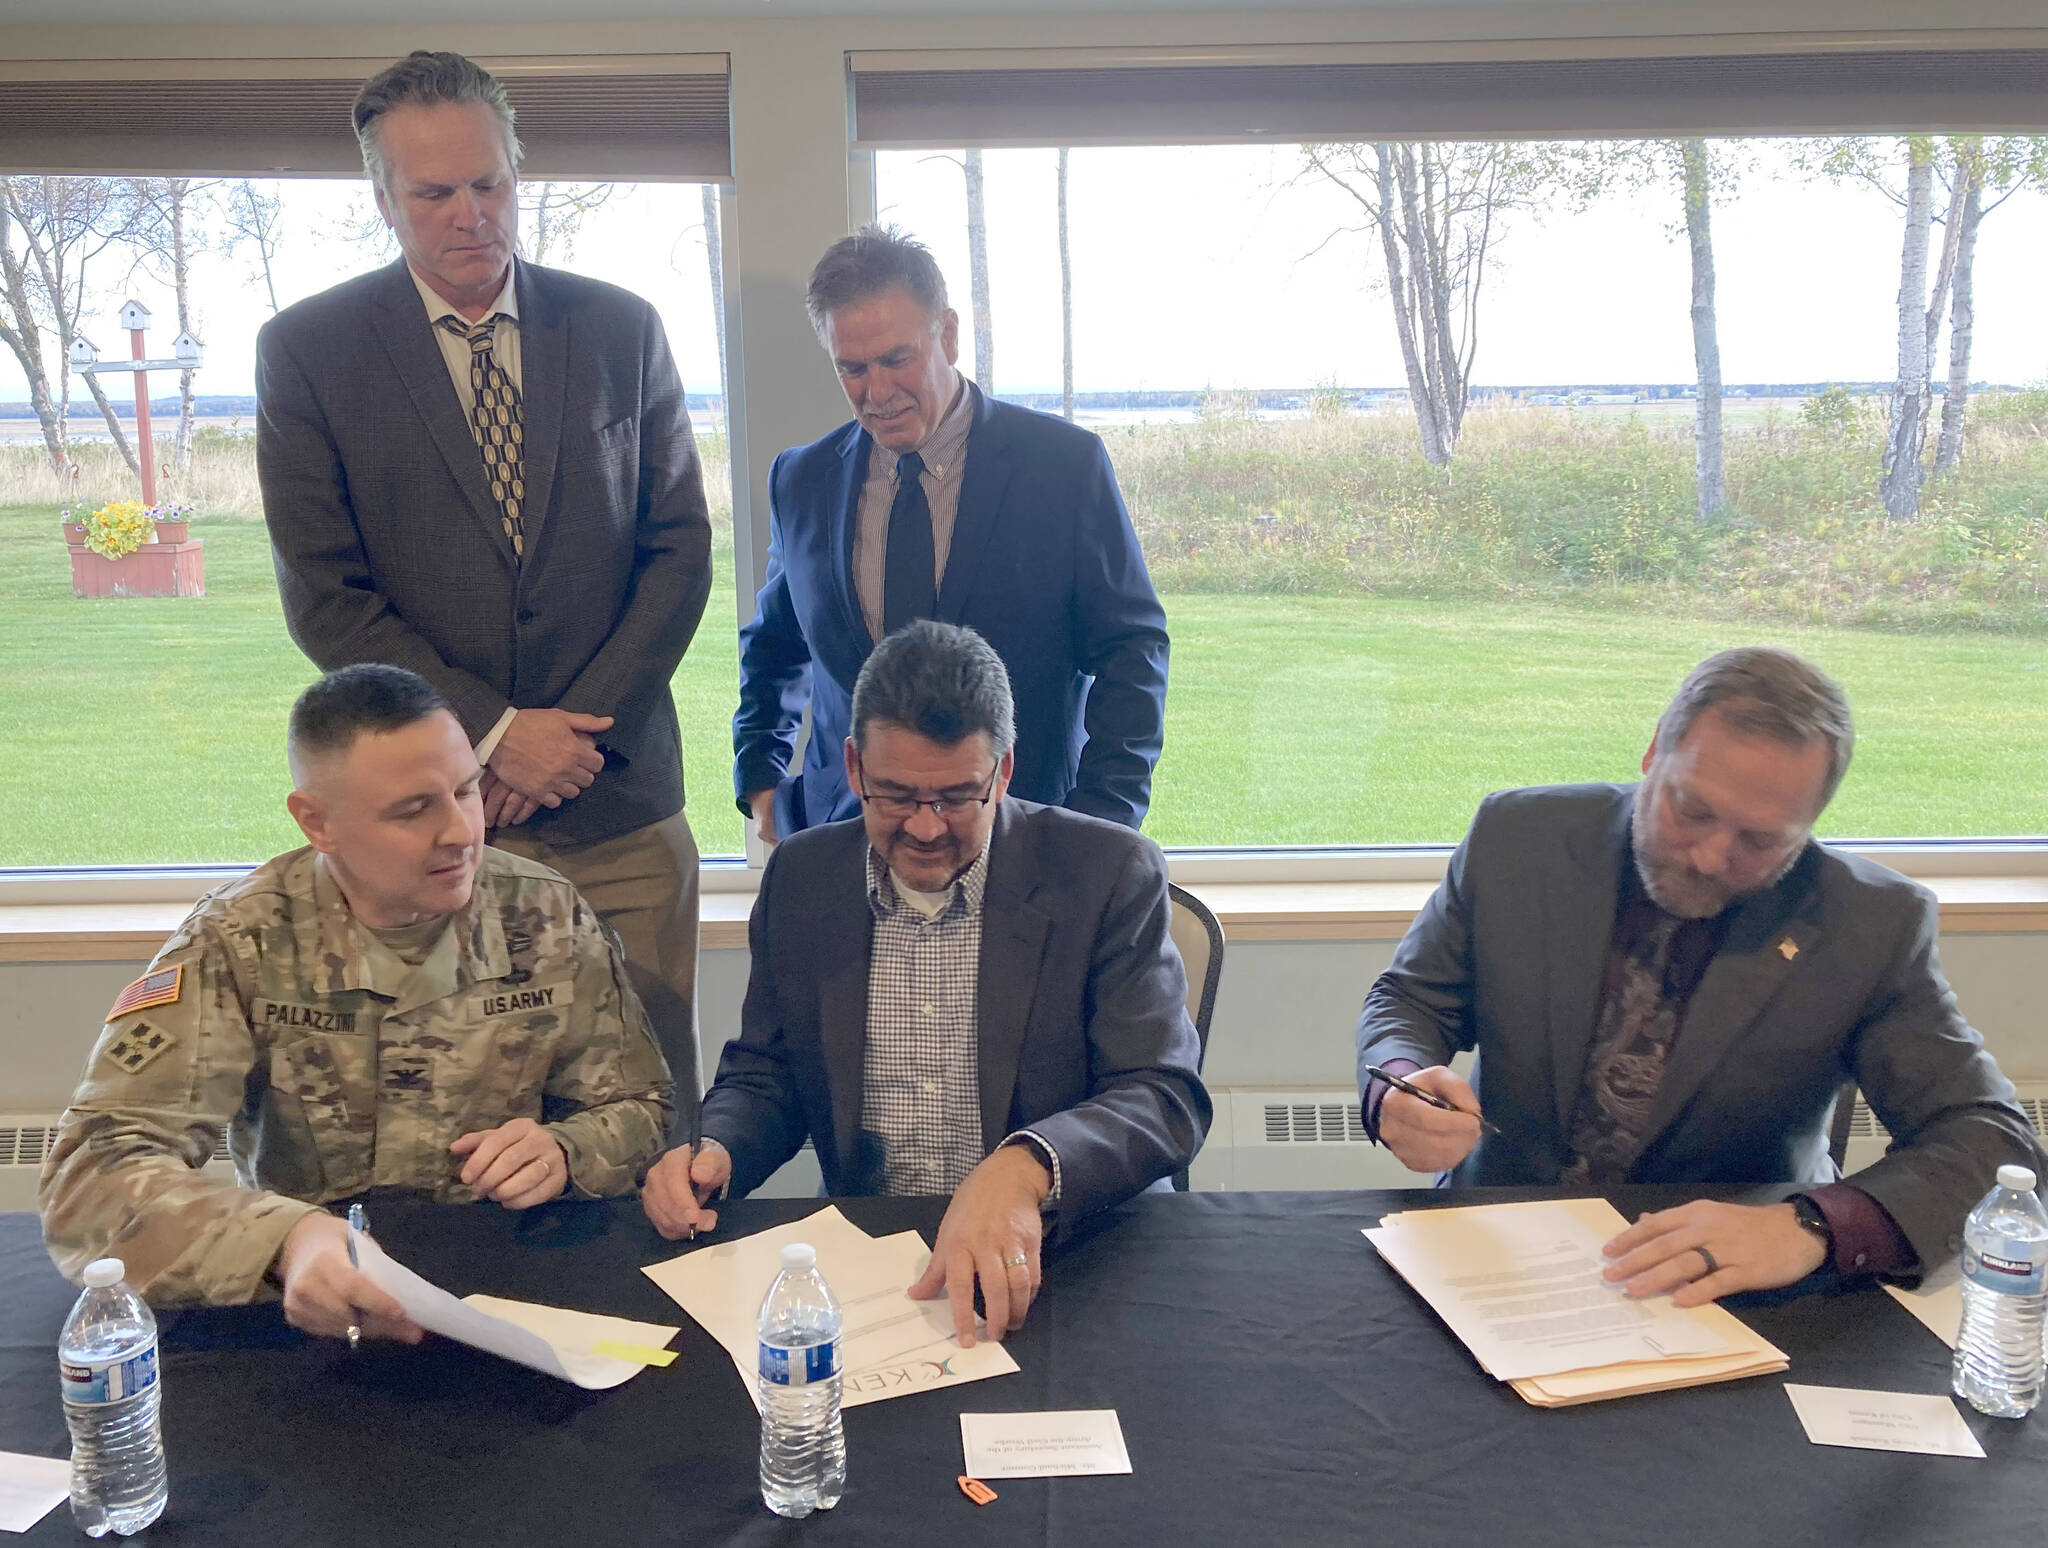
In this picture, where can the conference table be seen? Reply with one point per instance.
(1277, 1384)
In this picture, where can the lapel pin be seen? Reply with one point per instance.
(1788, 948)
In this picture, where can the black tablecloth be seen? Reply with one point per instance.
(1277, 1383)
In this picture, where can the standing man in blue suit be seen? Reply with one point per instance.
(938, 501)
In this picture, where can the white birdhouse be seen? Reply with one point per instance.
(83, 352)
(134, 315)
(187, 351)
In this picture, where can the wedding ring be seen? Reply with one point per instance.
(1712, 1266)
(355, 1335)
(1016, 1260)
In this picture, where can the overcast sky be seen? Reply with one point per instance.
(1193, 268)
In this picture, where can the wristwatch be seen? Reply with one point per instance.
(1810, 1219)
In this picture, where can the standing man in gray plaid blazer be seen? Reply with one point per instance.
(481, 470)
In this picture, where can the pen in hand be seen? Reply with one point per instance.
(696, 1145)
(358, 1226)
(1374, 1072)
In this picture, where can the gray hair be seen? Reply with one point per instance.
(872, 260)
(1765, 692)
(938, 680)
(426, 79)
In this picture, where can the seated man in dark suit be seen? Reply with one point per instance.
(1668, 982)
(938, 501)
(960, 993)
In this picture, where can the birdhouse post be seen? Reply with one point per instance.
(135, 318)
(172, 565)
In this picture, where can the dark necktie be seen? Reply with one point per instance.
(909, 586)
(1637, 1027)
(499, 425)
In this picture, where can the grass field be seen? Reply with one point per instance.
(152, 730)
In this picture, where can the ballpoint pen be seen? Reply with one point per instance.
(1376, 1073)
(358, 1225)
(696, 1144)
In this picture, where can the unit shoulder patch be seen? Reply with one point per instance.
(135, 1048)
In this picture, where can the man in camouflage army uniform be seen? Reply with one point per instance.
(393, 1006)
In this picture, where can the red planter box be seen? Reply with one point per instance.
(153, 570)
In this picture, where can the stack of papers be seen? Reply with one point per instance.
(592, 1351)
(890, 1345)
(1520, 1284)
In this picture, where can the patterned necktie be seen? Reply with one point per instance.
(1638, 1025)
(909, 589)
(498, 423)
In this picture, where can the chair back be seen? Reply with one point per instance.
(1199, 939)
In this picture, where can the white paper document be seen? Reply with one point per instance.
(1521, 1285)
(1882, 1421)
(1065, 1443)
(890, 1344)
(30, 1488)
(529, 1341)
(1937, 1301)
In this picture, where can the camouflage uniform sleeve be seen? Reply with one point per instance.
(124, 1177)
(610, 1068)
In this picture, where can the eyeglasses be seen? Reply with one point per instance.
(904, 807)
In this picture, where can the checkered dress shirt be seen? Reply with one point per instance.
(921, 1079)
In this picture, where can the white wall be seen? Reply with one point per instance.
(1284, 1012)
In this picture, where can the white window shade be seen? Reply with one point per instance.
(630, 118)
(1109, 98)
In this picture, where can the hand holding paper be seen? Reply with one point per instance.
(547, 1338)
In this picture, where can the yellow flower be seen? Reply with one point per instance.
(118, 528)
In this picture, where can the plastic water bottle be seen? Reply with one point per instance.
(106, 1356)
(803, 1451)
(2005, 1293)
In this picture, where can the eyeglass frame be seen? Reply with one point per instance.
(903, 808)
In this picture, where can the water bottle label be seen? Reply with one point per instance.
(799, 1367)
(95, 1385)
(2007, 1275)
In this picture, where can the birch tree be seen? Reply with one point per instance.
(977, 274)
(252, 216)
(1988, 171)
(1697, 179)
(56, 228)
(167, 237)
(1696, 172)
(714, 259)
(551, 217)
(1437, 209)
(980, 319)
(1964, 178)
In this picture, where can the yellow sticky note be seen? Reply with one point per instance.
(637, 1352)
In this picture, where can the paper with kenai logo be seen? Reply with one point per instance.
(889, 1345)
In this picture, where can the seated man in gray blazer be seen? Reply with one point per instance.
(958, 993)
(1668, 982)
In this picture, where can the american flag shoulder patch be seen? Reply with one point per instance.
(159, 988)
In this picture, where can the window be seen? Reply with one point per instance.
(1389, 595)
(158, 724)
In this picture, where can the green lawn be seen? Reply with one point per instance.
(152, 730)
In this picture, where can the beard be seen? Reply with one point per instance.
(1675, 886)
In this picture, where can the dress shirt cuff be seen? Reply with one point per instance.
(494, 736)
(1048, 1155)
(1867, 1239)
(1376, 1092)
